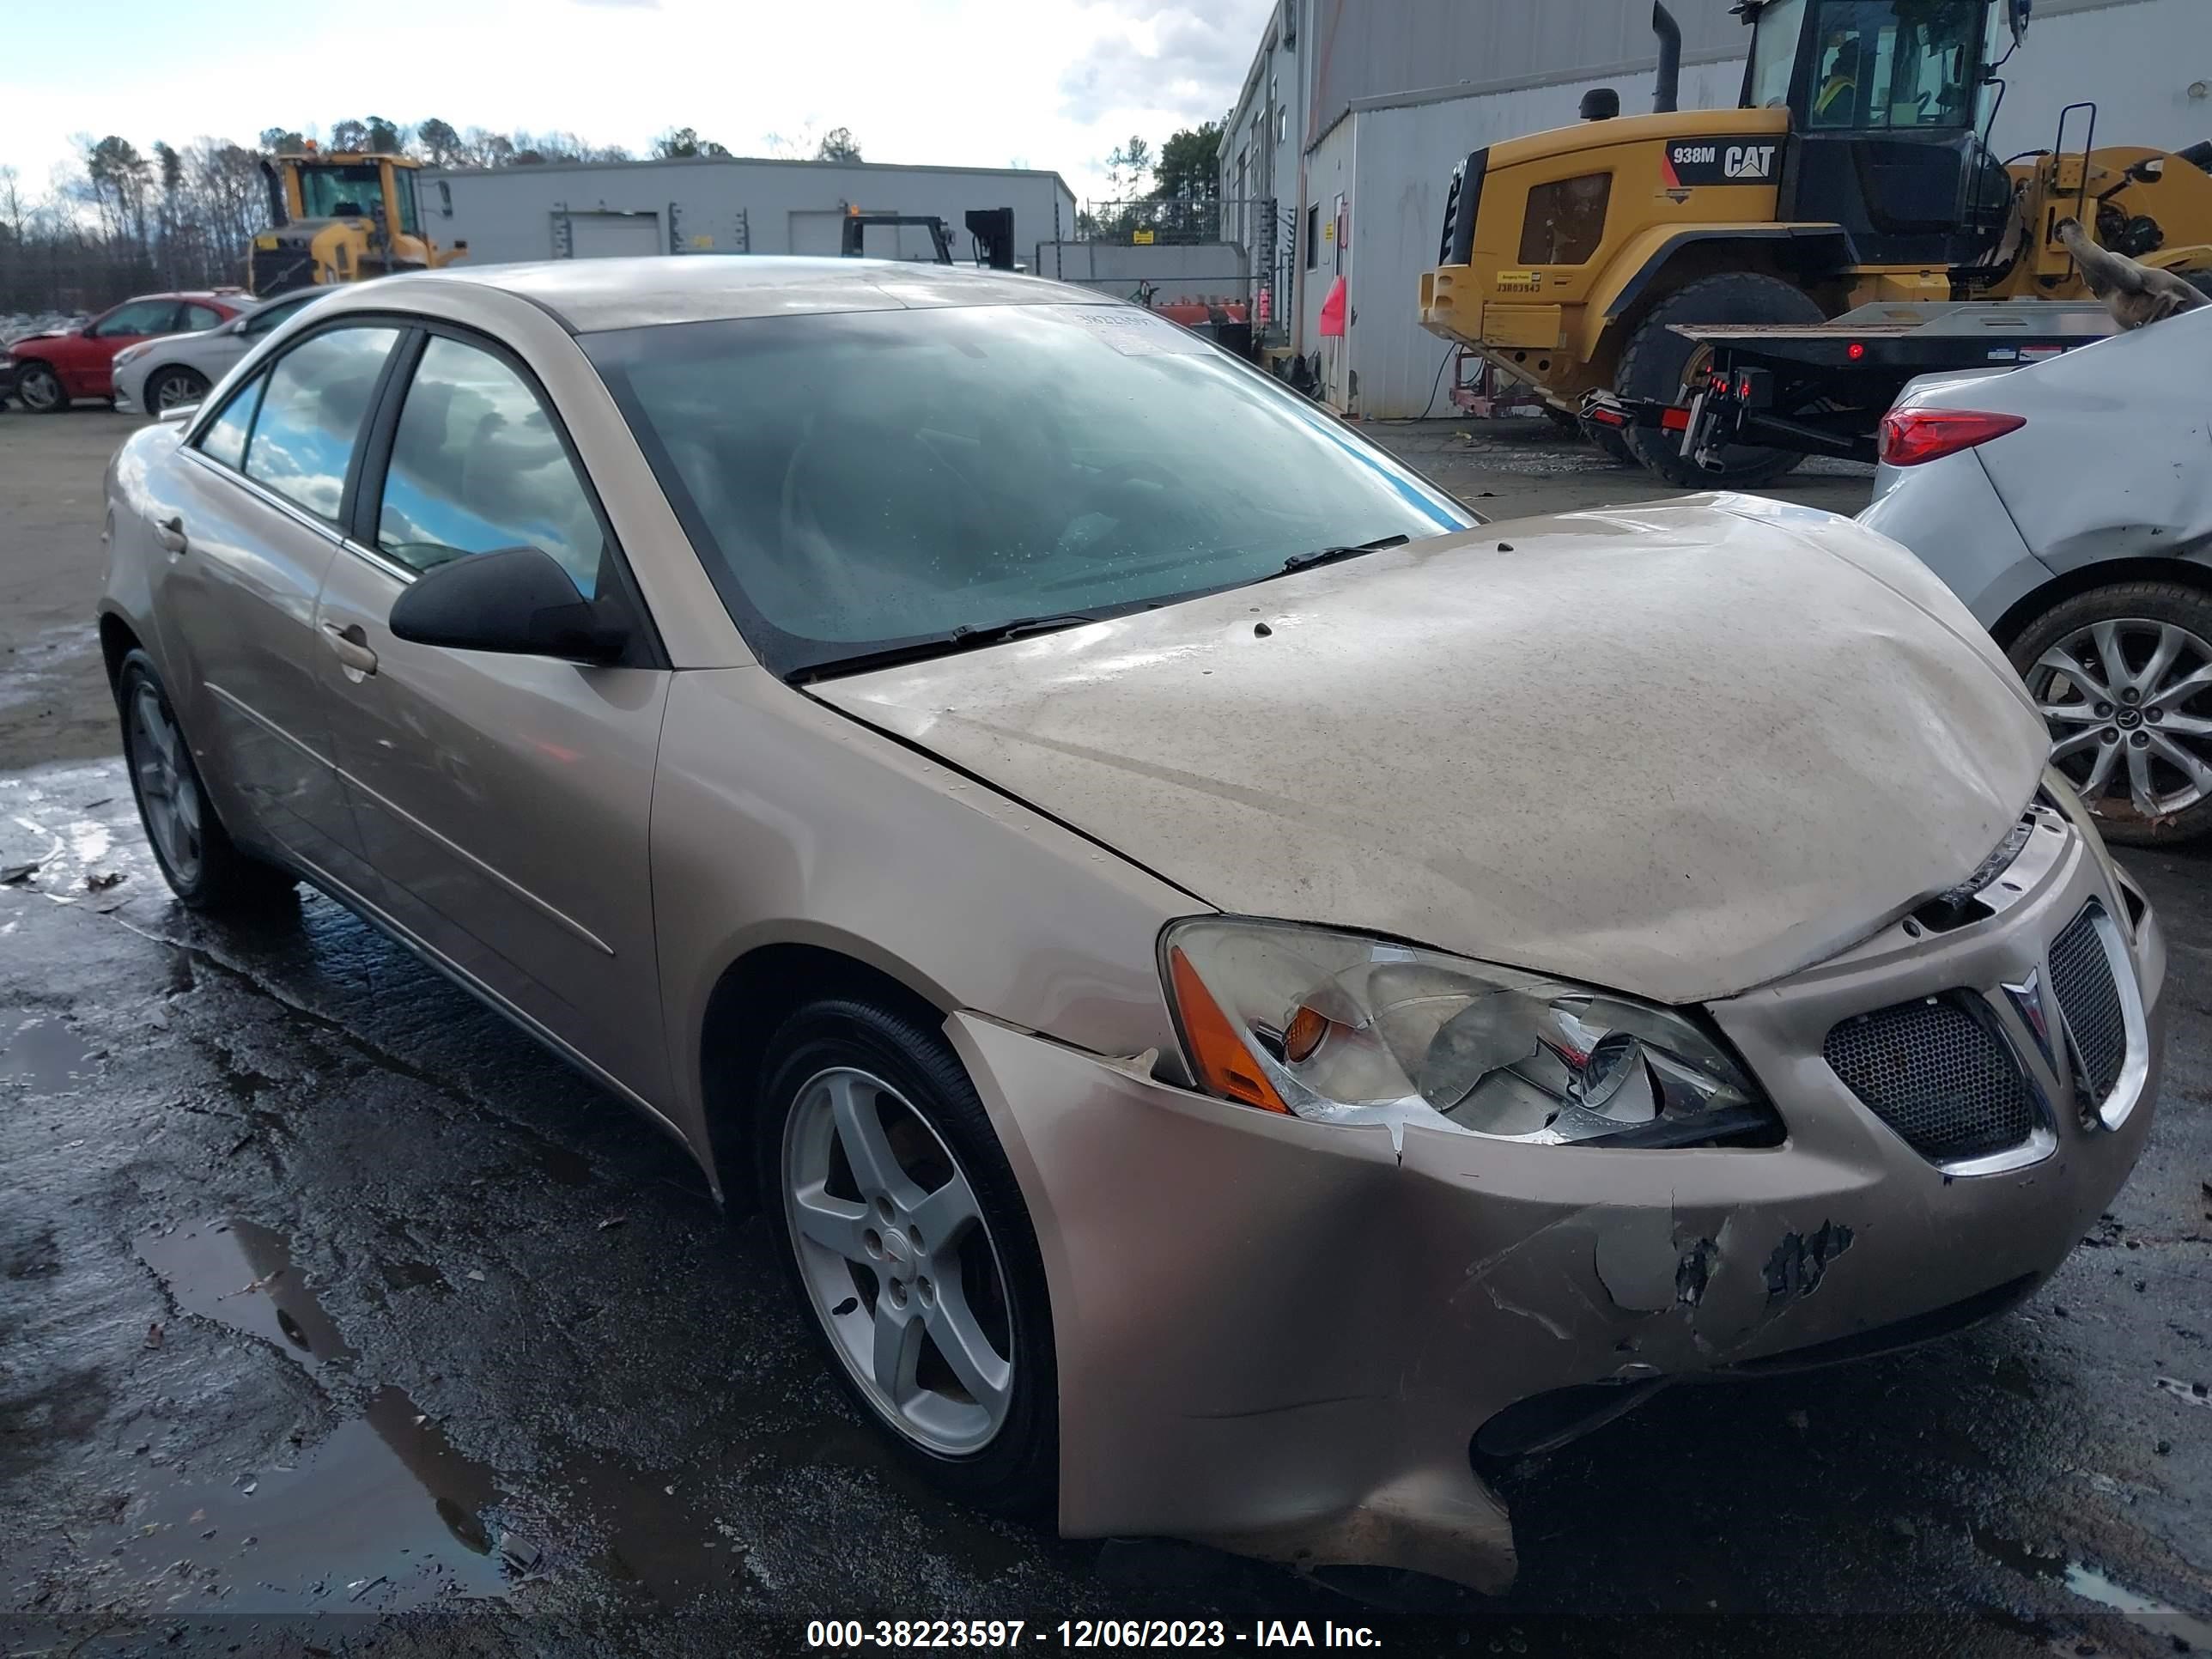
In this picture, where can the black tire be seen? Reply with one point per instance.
(1657, 358)
(1563, 421)
(188, 386)
(1613, 444)
(1018, 1471)
(2169, 603)
(222, 879)
(40, 390)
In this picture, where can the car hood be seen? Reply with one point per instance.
(1678, 749)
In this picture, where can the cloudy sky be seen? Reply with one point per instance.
(1048, 83)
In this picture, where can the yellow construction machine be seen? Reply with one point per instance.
(338, 216)
(1857, 170)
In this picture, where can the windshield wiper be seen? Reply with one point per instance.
(1298, 561)
(992, 633)
(966, 637)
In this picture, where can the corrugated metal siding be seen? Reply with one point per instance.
(508, 215)
(1370, 48)
(2136, 60)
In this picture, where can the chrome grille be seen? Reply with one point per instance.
(2089, 997)
(1943, 1079)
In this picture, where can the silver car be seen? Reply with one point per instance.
(1243, 992)
(2069, 503)
(158, 375)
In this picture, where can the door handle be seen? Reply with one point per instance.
(170, 532)
(350, 646)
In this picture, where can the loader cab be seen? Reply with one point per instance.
(352, 187)
(1887, 102)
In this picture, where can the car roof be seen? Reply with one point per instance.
(235, 297)
(590, 296)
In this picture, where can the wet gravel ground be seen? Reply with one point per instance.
(335, 1317)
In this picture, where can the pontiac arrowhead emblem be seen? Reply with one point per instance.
(2027, 998)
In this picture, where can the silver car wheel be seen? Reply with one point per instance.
(177, 388)
(898, 1262)
(168, 795)
(2120, 698)
(39, 389)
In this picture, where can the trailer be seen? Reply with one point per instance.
(1822, 388)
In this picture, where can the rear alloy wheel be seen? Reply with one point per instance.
(174, 388)
(2123, 677)
(39, 389)
(204, 867)
(912, 1252)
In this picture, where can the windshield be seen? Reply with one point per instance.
(865, 482)
(1896, 63)
(335, 192)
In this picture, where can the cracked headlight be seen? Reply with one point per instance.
(1347, 1029)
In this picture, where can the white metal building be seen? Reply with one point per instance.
(586, 210)
(1353, 119)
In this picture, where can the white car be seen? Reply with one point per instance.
(2069, 504)
(157, 375)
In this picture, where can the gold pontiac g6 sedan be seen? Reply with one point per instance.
(1244, 992)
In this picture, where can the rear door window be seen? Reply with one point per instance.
(223, 439)
(310, 416)
(199, 316)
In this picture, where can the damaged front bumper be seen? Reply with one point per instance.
(1284, 1337)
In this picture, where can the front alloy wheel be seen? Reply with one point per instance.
(910, 1246)
(898, 1262)
(2126, 690)
(39, 389)
(174, 388)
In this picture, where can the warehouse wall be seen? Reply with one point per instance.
(726, 207)
(2137, 59)
(1180, 270)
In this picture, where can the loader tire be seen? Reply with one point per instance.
(1657, 360)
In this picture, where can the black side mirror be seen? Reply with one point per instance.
(517, 601)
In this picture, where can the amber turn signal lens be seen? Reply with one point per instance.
(1306, 1030)
(1225, 1065)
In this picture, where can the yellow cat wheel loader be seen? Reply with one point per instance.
(338, 216)
(1857, 170)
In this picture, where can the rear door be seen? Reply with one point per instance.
(249, 519)
(503, 799)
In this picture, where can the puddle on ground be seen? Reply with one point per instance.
(381, 1516)
(241, 1275)
(2184, 1632)
(43, 1055)
(2090, 1585)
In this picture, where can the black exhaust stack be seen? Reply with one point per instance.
(1665, 97)
(277, 216)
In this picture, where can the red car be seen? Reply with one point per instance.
(51, 370)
